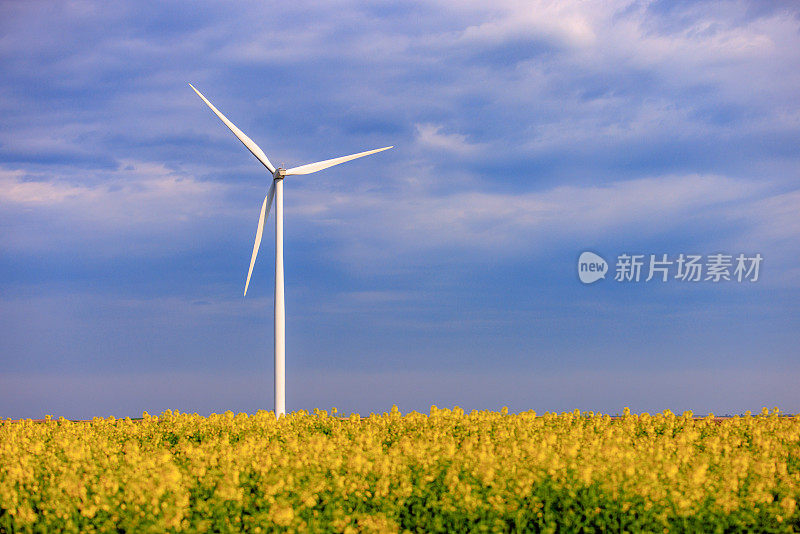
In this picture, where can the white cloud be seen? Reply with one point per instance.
(510, 224)
(431, 136)
(138, 205)
(15, 190)
(771, 227)
(417, 226)
(137, 184)
(565, 23)
(541, 97)
(777, 217)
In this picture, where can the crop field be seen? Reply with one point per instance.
(446, 471)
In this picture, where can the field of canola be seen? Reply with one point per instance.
(443, 472)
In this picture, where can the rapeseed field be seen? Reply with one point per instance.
(446, 471)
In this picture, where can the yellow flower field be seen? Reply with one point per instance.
(447, 471)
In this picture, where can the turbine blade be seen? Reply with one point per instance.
(246, 141)
(259, 231)
(318, 166)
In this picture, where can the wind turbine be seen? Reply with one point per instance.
(275, 193)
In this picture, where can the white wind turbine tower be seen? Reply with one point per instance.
(276, 192)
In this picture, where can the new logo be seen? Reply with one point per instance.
(591, 267)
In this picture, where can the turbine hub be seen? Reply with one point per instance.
(280, 172)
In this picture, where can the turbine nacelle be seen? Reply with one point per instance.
(279, 173)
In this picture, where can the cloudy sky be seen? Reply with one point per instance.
(441, 272)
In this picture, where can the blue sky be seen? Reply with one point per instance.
(441, 272)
